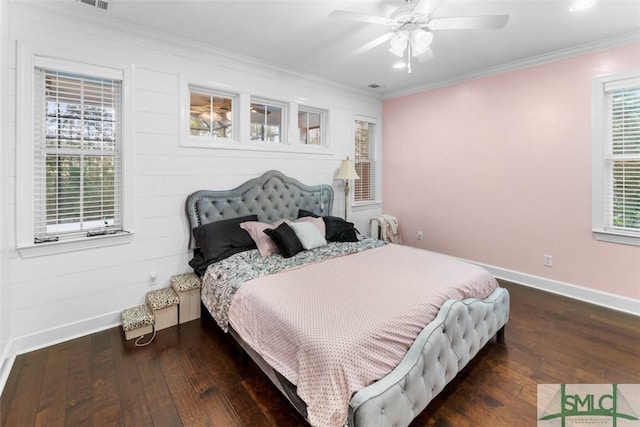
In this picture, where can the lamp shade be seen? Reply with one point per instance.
(420, 41)
(347, 170)
(399, 43)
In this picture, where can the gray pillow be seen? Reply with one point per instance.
(309, 235)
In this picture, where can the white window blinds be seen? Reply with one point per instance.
(365, 162)
(622, 170)
(77, 155)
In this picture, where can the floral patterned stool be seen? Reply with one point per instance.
(187, 286)
(164, 303)
(137, 321)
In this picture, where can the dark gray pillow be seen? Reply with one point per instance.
(302, 213)
(221, 239)
(285, 239)
(337, 229)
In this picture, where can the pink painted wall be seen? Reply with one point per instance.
(498, 171)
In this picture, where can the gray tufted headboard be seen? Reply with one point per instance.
(271, 196)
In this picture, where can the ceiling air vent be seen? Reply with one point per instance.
(100, 4)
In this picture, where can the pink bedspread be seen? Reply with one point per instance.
(334, 327)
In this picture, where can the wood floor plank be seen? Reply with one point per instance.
(188, 405)
(79, 409)
(106, 400)
(31, 377)
(277, 411)
(209, 393)
(163, 410)
(134, 407)
(192, 374)
(227, 372)
(8, 394)
(51, 410)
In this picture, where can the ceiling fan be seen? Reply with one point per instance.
(412, 25)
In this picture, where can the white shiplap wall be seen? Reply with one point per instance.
(5, 307)
(57, 297)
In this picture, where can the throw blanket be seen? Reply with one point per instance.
(389, 228)
(334, 327)
(222, 279)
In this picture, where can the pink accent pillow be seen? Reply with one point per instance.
(265, 245)
(318, 222)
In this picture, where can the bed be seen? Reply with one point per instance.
(327, 323)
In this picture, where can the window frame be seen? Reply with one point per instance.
(323, 125)
(241, 138)
(374, 155)
(600, 154)
(203, 140)
(28, 60)
(284, 121)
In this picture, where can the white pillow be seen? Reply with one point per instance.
(309, 235)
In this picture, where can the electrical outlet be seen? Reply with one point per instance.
(419, 235)
(548, 261)
(153, 278)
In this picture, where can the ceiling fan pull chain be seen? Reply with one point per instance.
(409, 57)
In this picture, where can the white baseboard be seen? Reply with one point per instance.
(6, 363)
(603, 299)
(48, 337)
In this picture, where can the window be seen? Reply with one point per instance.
(77, 155)
(70, 193)
(221, 116)
(365, 161)
(311, 126)
(616, 158)
(210, 114)
(267, 121)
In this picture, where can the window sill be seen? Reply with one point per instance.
(365, 205)
(623, 238)
(44, 249)
(226, 144)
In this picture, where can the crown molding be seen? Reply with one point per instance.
(545, 58)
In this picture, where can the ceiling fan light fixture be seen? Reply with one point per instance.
(399, 65)
(399, 43)
(420, 41)
(411, 28)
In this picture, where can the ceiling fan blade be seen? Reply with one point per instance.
(359, 17)
(428, 55)
(373, 43)
(469, 23)
(426, 7)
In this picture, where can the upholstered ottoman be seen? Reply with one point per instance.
(187, 286)
(164, 303)
(137, 321)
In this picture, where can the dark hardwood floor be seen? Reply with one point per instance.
(193, 375)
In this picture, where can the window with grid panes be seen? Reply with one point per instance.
(311, 126)
(77, 155)
(365, 161)
(267, 121)
(211, 113)
(617, 159)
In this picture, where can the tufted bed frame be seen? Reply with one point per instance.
(440, 351)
